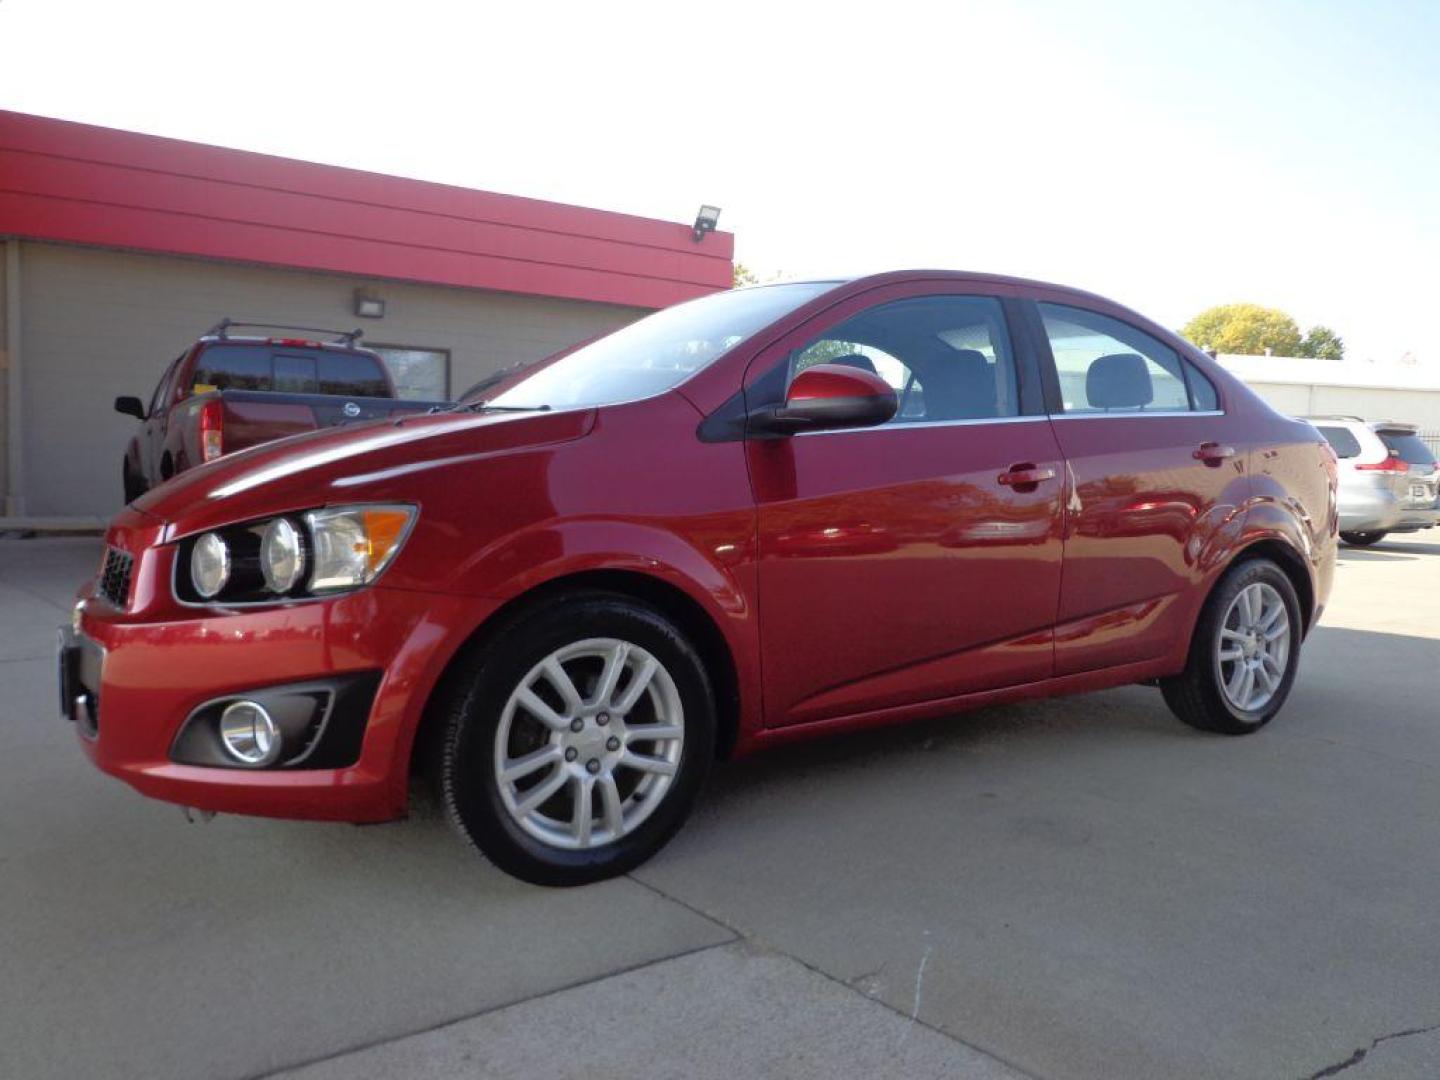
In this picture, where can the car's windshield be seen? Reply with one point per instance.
(658, 352)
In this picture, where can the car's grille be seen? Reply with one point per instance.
(114, 580)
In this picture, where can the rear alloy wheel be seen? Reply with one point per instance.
(1362, 539)
(1244, 653)
(577, 742)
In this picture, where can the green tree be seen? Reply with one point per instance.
(1244, 328)
(742, 275)
(1323, 343)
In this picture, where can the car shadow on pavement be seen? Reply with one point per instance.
(1393, 547)
(1359, 555)
(1123, 714)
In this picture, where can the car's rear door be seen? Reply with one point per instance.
(1156, 483)
(918, 560)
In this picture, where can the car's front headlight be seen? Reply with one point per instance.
(291, 556)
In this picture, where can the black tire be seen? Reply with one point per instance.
(1362, 539)
(133, 488)
(1196, 695)
(473, 702)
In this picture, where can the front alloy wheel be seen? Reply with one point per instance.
(589, 743)
(575, 738)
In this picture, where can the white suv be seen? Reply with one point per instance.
(1389, 479)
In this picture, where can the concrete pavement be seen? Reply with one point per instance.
(1076, 888)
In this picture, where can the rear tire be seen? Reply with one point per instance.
(1244, 653)
(1362, 539)
(133, 488)
(546, 713)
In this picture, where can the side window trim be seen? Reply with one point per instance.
(767, 370)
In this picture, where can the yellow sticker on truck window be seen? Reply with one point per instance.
(204, 388)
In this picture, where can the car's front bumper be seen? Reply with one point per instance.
(131, 678)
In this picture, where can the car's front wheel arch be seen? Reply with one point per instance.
(671, 601)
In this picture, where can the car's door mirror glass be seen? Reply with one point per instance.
(130, 406)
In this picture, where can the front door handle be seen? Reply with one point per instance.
(1026, 476)
(1213, 453)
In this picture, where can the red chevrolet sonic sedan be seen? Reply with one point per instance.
(754, 517)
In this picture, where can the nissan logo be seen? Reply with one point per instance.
(351, 409)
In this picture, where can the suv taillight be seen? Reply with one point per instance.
(212, 443)
(1393, 463)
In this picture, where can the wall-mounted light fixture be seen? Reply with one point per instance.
(705, 221)
(368, 305)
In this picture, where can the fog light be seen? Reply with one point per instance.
(249, 734)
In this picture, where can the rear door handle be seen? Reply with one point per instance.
(1213, 453)
(1026, 475)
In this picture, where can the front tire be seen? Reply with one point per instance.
(1362, 539)
(576, 739)
(1244, 654)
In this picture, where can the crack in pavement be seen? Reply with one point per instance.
(1362, 1052)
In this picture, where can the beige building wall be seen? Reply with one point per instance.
(100, 323)
(4, 381)
(1418, 406)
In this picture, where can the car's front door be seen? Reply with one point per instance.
(919, 560)
(1156, 486)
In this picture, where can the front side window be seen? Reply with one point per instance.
(658, 352)
(948, 357)
(1107, 366)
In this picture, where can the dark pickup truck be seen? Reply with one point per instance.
(228, 392)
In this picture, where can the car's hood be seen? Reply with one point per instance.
(334, 464)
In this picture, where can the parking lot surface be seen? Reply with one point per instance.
(1064, 889)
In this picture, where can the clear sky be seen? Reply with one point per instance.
(1169, 155)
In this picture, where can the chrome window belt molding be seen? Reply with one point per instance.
(1010, 420)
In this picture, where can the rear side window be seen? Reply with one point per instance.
(1203, 397)
(1411, 448)
(1341, 440)
(1107, 366)
(290, 371)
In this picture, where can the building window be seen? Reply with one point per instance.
(419, 374)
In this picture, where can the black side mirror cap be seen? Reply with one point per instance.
(130, 406)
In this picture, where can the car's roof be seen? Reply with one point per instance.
(1390, 427)
(923, 274)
